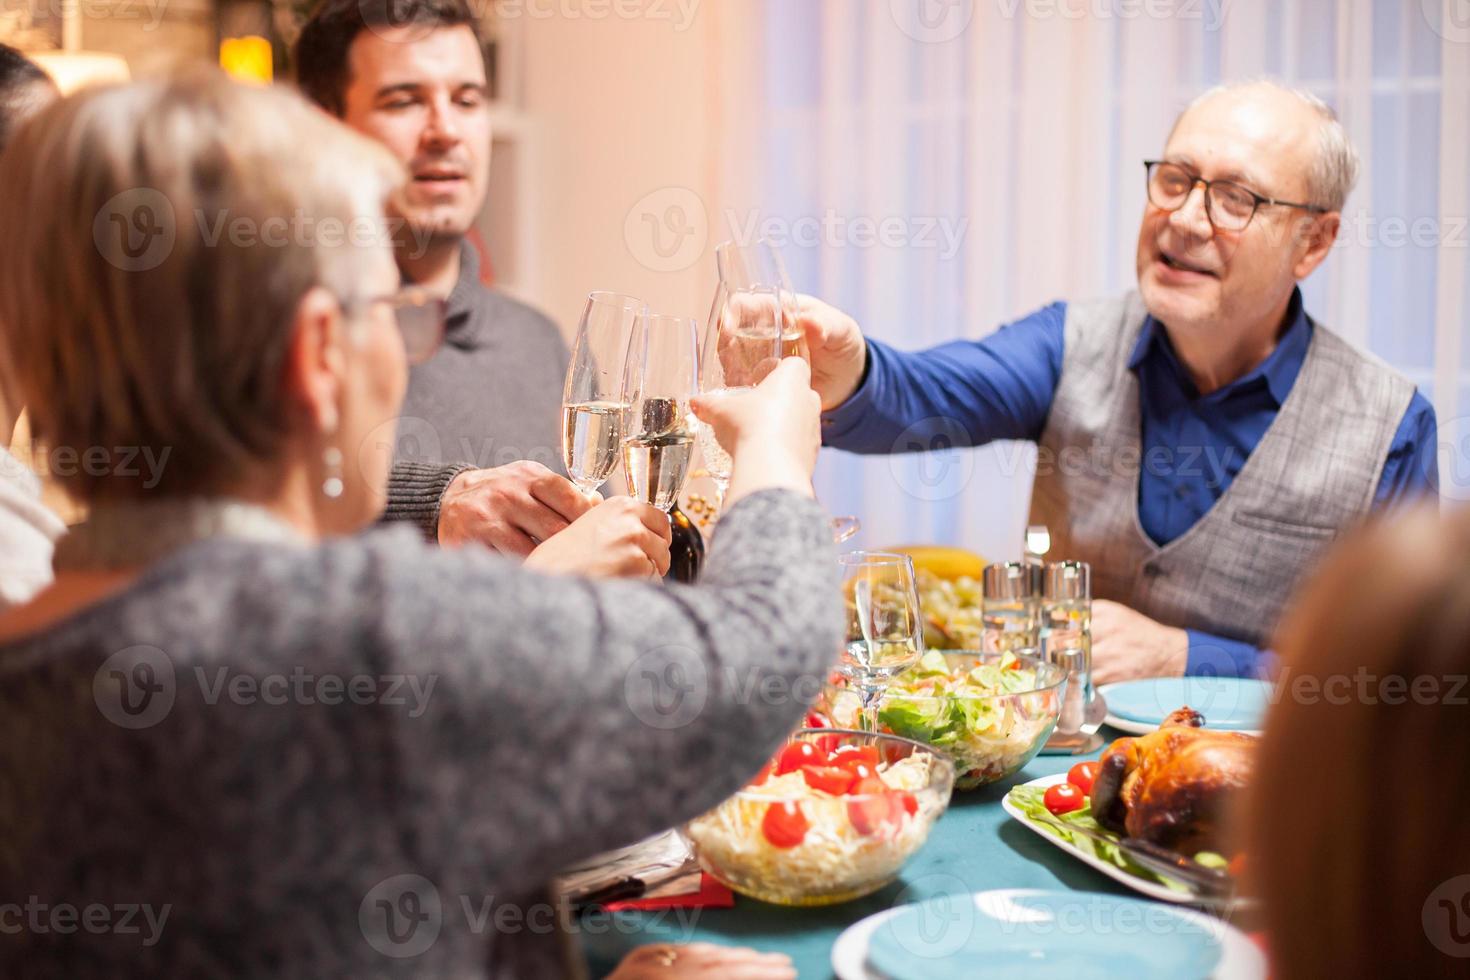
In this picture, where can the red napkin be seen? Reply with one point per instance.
(711, 895)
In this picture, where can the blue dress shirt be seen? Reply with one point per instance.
(1002, 387)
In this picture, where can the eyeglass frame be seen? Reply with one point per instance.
(1196, 180)
(415, 298)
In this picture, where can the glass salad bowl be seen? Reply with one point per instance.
(831, 818)
(989, 712)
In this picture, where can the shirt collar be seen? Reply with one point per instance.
(1278, 371)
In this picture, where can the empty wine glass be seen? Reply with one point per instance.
(660, 378)
(593, 410)
(885, 625)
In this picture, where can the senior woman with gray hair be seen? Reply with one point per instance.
(300, 753)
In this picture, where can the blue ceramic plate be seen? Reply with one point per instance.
(1022, 934)
(1228, 703)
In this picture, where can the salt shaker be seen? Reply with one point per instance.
(1010, 606)
(1066, 640)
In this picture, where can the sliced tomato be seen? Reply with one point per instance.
(815, 719)
(879, 812)
(860, 771)
(1082, 775)
(910, 805)
(795, 755)
(764, 774)
(784, 825)
(850, 755)
(1063, 798)
(829, 779)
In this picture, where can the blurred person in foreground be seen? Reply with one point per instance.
(1359, 813)
(1201, 440)
(27, 528)
(411, 75)
(236, 712)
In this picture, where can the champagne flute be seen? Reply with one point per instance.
(885, 626)
(593, 412)
(661, 376)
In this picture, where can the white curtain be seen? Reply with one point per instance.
(1016, 128)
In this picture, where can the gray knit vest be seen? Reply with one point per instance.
(1314, 474)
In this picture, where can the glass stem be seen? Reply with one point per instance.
(868, 717)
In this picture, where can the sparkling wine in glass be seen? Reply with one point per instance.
(594, 414)
(885, 625)
(661, 377)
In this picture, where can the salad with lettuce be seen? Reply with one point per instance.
(990, 714)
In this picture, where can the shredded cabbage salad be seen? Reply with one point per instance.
(834, 860)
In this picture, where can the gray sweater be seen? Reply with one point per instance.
(363, 758)
(490, 396)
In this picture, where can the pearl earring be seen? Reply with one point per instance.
(332, 486)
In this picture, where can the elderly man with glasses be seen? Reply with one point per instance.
(1202, 439)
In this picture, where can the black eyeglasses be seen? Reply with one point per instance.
(420, 318)
(1229, 206)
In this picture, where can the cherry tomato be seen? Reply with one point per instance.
(910, 805)
(851, 755)
(1063, 798)
(828, 779)
(859, 770)
(1082, 775)
(763, 775)
(880, 811)
(795, 755)
(815, 719)
(784, 824)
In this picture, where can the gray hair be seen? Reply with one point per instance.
(1334, 171)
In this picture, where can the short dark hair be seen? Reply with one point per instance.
(321, 56)
(18, 77)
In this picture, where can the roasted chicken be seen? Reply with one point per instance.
(1174, 786)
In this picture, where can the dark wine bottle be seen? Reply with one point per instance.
(686, 551)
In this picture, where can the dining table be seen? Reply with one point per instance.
(974, 846)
